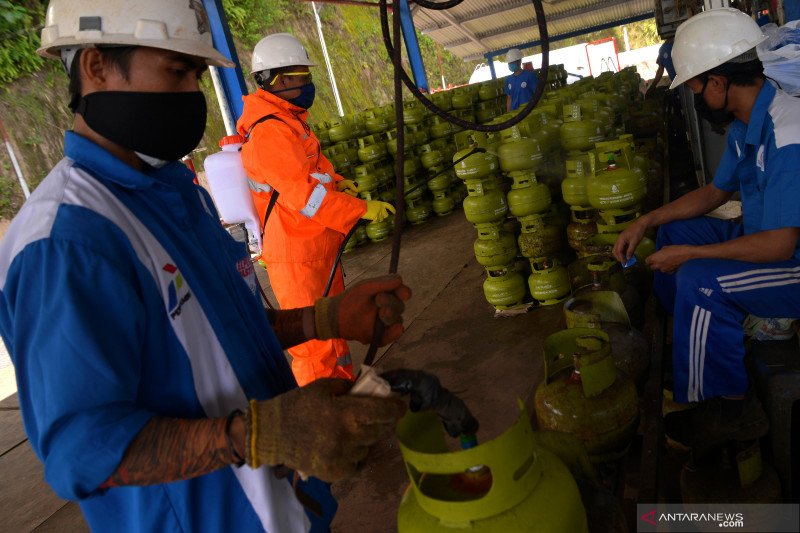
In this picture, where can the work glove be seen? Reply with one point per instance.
(351, 315)
(318, 429)
(378, 211)
(348, 187)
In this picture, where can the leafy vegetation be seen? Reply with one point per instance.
(19, 38)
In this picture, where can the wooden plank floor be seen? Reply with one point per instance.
(450, 331)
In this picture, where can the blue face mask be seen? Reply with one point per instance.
(513, 67)
(306, 97)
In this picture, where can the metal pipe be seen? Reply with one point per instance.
(327, 60)
(227, 117)
(24, 184)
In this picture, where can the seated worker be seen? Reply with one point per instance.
(521, 84)
(151, 384)
(711, 273)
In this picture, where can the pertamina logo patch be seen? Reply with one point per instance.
(177, 293)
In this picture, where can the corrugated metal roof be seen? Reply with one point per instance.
(475, 27)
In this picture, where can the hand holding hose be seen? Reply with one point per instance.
(318, 429)
(352, 314)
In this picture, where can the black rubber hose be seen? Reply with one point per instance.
(437, 6)
(347, 237)
(427, 393)
(545, 44)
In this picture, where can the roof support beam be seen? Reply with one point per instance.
(564, 36)
(469, 35)
(479, 14)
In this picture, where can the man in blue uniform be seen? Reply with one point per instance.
(152, 385)
(521, 84)
(664, 62)
(711, 273)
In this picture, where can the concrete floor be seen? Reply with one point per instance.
(451, 332)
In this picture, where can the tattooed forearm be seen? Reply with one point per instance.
(171, 449)
(288, 326)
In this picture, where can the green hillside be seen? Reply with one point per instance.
(33, 93)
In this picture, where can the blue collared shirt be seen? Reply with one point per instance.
(122, 298)
(520, 88)
(762, 160)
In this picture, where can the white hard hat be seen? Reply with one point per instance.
(177, 25)
(279, 50)
(515, 54)
(710, 39)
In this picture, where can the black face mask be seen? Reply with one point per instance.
(161, 125)
(718, 118)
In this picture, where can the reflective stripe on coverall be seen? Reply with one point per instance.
(307, 225)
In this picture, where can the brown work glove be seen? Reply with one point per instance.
(351, 314)
(317, 429)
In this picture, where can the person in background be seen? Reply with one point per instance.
(521, 84)
(152, 384)
(664, 62)
(312, 208)
(711, 273)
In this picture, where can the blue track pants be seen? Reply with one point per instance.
(709, 299)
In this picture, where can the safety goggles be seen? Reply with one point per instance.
(305, 81)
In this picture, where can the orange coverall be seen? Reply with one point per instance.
(307, 225)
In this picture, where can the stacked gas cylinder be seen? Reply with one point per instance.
(572, 146)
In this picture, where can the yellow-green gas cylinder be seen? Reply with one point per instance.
(485, 111)
(488, 91)
(579, 133)
(518, 152)
(616, 220)
(366, 178)
(443, 100)
(596, 272)
(442, 203)
(378, 231)
(485, 202)
(476, 166)
(582, 227)
(340, 130)
(360, 235)
(605, 310)
(529, 490)
(539, 236)
(616, 187)
(585, 395)
(418, 211)
(413, 112)
(375, 121)
(461, 99)
(442, 179)
(580, 168)
(549, 281)
(504, 287)
(371, 148)
(527, 196)
(494, 247)
(429, 156)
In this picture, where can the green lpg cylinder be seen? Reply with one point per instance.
(378, 231)
(461, 99)
(413, 113)
(485, 201)
(616, 220)
(361, 235)
(376, 121)
(599, 272)
(443, 100)
(605, 310)
(475, 166)
(527, 489)
(442, 179)
(441, 128)
(429, 156)
(418, 211)
(616, 187)
(488, 91)
(366, 178)
(443, 204)
(539, 236)
(371, 148)
(582, 228)
(351, 243)
(527, 196)
(412, 188)
(585, 395)
(504, 288)
(420, 134)
(340, 130)
(579, 133)
(494, 247)
(549, 281)
(485, 112)
(519, 153)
